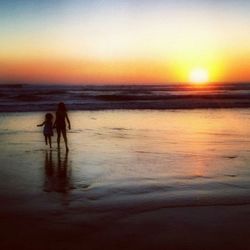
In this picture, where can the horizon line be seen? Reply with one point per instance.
(121, 84)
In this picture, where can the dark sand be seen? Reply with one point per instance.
(213, 227)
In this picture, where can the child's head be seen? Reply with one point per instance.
(48, 117)
(61, 107)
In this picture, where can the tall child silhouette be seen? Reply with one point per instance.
(60, 124)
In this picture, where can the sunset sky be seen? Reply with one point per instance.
(123, 41)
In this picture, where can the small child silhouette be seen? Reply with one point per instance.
(48, 128)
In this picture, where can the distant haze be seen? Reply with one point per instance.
(123, 41)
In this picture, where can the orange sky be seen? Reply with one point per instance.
(144, 71)
(63, 71)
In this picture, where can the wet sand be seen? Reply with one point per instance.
(132, 180)
(222, 227)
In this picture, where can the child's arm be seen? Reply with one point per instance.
(67, 118)
(40, 125)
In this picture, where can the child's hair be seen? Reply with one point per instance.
(61, 107)
(49, 117)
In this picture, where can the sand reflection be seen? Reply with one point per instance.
(57, 173)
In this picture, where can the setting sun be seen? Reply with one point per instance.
(199, 76)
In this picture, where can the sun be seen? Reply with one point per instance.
(199, 76)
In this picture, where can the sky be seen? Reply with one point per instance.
(123, 41)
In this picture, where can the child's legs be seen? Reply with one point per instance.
(65, 138)
(58, 136)
(46, 139)
(49, 140)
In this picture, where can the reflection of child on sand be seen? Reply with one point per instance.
(48, 128)
(57, 174)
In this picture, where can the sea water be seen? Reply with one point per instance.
(104, 97)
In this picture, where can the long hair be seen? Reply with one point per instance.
(61, 107)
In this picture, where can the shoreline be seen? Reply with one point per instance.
(233, 107)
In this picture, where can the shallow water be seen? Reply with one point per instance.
(127, 160)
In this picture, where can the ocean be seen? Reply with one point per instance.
(24, 97)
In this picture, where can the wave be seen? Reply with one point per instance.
(85, 97)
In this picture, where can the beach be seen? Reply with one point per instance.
(173, 179)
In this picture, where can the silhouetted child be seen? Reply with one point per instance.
(60, 124)
(48, 128)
